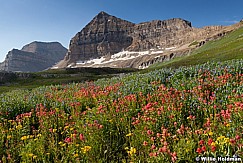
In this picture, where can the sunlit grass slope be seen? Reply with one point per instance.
(227, 48)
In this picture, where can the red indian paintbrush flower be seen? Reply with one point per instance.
(81, 137)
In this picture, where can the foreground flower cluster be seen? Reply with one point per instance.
(176, 116)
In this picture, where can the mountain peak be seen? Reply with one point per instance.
(102, 14)
(37, 46)
(33, 57)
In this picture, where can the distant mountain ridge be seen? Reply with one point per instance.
(108, 41)
(33, 57)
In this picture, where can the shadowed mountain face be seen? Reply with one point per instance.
(108, 41)
(36, 56)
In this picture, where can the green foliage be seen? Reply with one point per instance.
(166, 115)
(59, 76)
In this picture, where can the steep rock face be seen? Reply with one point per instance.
(113, 42)
(36, 56)
(157, 33)
(104, 35)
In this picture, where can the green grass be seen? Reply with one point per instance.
(61, 76)
(227, 48)
(166, 115)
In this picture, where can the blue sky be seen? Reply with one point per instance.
(24, 21)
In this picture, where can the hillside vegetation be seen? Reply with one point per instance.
(227, 48)
(166, 115)
(17, 81)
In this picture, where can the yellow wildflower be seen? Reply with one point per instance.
(34, 157)
(29, 136)
(86, 149)
(222, 140)
(132, 151)
(226, 140)
(9, 137)
(220, 137)
(11, 129)
(31, 154)
(73, 135)
(213, 144)
(23, 138)
(210, 133)
(75, 155)
(64, 144)
(54, 130)
(130, 134)
(66, 127)
(18, 127)
(39, 135)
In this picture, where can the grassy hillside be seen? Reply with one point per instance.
(166, 115)
(227, 48)
(60, 76)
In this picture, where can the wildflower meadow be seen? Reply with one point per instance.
(166, 115)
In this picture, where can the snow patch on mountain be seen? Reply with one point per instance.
(122, 56)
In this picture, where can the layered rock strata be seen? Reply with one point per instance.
(36, 56)
(108, 41)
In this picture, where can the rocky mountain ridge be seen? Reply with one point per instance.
(108, 41)
(33, 57)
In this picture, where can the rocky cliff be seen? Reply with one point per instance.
(104, 35)
(36, 56)
(113, 42)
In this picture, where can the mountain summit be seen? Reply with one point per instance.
(33, 57)
(102, 14)
(104, 35)
(108, 41)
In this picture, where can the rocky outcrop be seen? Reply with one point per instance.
(104, 35)
(155, 34)
(100, 42)
(36, 56)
